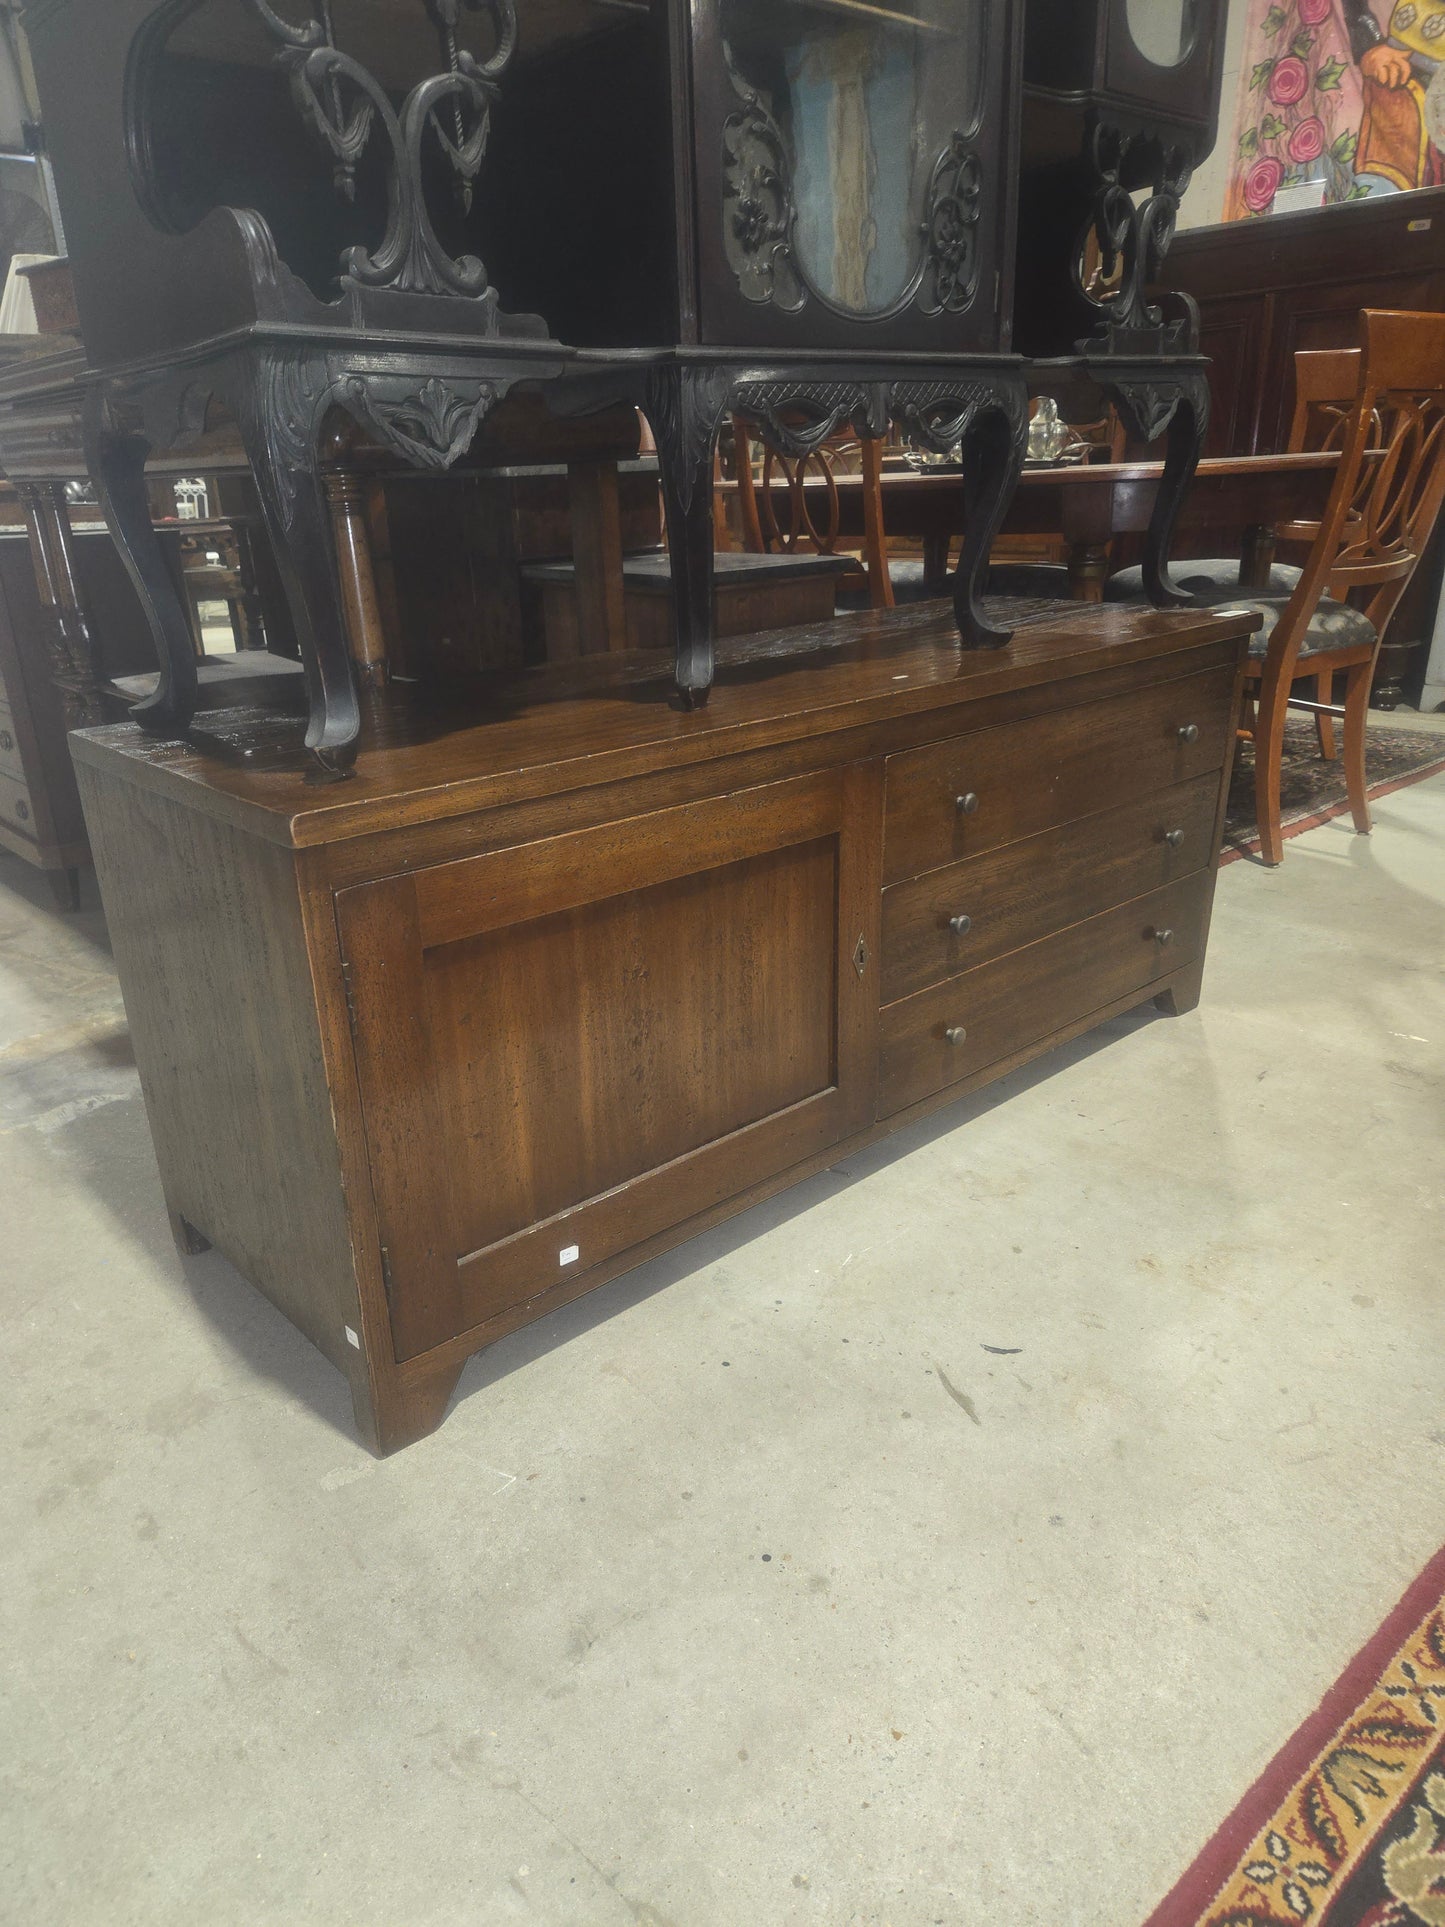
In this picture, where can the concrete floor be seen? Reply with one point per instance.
(776, 1596)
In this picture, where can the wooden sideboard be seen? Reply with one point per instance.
(1270, 287)
(549, 988)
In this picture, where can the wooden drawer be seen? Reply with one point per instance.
(1026, 891)
(10, 763)
(16, 810)
(1029, 777)
(1004, 1007)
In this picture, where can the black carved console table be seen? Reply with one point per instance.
(1121, 104)
(218, 258)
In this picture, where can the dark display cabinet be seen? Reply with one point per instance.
(1120, 105)
(800, 211)
(786, 175)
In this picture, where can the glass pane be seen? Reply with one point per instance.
(1161, 29)
(840, 160)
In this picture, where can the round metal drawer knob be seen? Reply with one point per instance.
(1189, 733)
(960, 926)
(966, 805)
(1174, 838)
(955, 1034)
(1163, 938)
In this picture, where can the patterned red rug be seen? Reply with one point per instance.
(1312, 790)
(1346, 1826)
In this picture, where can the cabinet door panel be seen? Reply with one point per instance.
(567, 1048)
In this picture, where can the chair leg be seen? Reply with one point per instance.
(1325, 725)
(1268, 762)
(1357, 711)
(875, 541)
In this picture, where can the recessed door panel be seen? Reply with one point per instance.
(567, 1048)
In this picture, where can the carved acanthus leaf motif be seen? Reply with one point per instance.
(759, 214)
(1147, 407)
(433, 427)
(685, 407)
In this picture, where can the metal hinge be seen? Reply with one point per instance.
(386, 1279)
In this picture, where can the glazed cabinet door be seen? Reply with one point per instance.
(567, 1048)
(855, 172)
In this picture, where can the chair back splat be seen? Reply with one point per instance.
(1388, 490)
(805, 480)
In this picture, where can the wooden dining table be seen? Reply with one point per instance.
(1233, 506)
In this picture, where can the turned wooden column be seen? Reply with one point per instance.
(74, 664)
(597, 556)
(346, 497)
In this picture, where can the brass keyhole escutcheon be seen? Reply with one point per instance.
(860, 957)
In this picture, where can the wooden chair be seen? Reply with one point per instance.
(1327, 382)
(1328, 617)
(804, 482)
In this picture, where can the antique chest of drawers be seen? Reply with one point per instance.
(431, 1052)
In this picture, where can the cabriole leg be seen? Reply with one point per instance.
(116, 459)
(992, 450)
(1184, 448)
(685, 408)
(277, 402)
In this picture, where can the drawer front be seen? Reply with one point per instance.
(10, 763)
(1029, 777)
(960, 1027)
(16, 810)
(954, 919)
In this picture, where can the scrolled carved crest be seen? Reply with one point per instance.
(1131, 240)
(346, 108)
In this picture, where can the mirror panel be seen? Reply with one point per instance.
(1162, 30)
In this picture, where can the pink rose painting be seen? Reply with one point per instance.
(1299, 108)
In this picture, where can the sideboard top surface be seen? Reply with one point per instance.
(549, 731)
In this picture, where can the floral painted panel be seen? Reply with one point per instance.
(1339, 99)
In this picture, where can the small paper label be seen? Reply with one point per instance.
(352, 1339)
(1419, 227)
(569, 1255)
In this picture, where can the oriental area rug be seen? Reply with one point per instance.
(1312, 790)
(1346, 1826)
